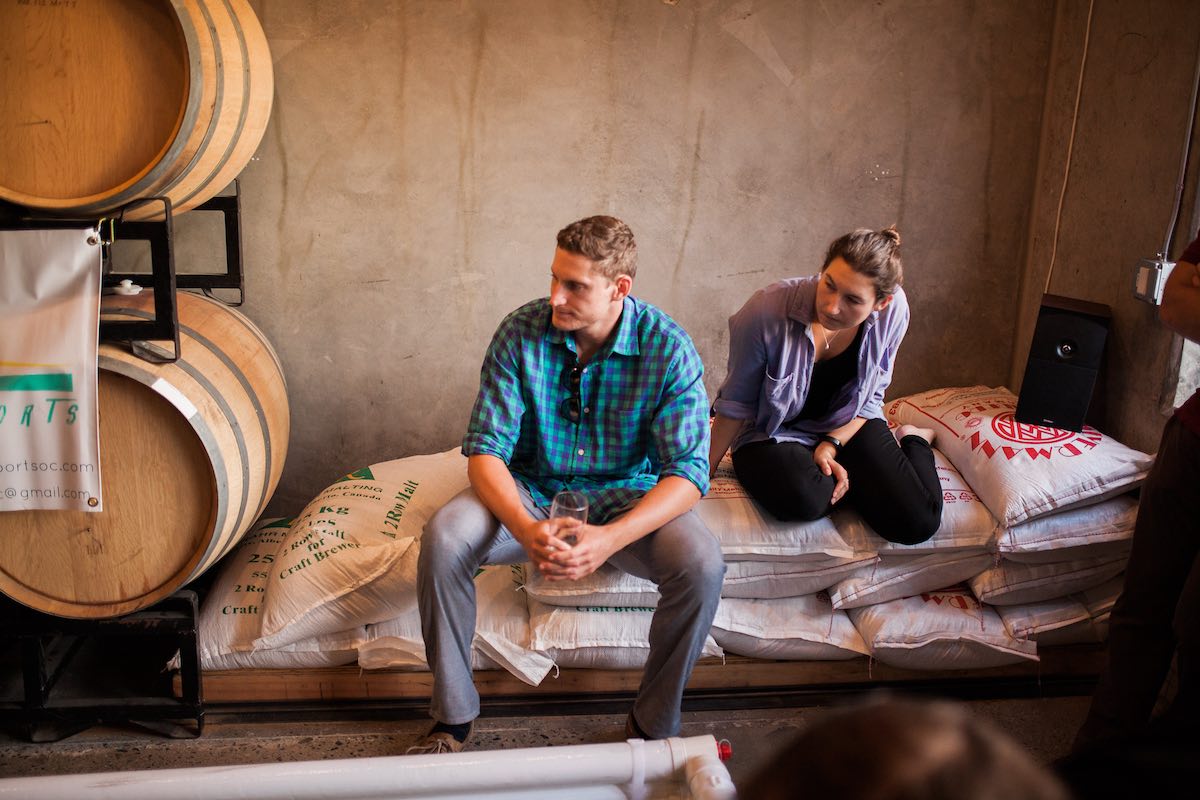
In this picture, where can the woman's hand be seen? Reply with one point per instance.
(823, 456)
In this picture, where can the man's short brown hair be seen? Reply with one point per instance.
(605, 241)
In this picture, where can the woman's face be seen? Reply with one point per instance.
(845, 297)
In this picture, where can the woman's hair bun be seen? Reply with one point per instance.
(893, 234)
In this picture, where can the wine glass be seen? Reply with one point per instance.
(568, 512)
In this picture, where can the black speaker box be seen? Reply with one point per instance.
(1064, 361)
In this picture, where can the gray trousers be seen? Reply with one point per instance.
(682, 557)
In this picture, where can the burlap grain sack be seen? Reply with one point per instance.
(231, 614)
(945, 629)
(792, 629)
(397, 643)
(1020, 471)
(343, 563)
(501, 632)
(749, 533)
(966, 522)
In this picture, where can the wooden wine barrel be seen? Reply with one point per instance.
(190, 453)
(109, 102)
(246, 86)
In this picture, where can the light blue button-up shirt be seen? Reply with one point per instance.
(771, 355)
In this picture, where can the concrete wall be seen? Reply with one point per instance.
(421, 156)
(1113, 137)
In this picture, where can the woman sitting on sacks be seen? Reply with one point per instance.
(802, 401)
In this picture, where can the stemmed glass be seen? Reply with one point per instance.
(568, 512)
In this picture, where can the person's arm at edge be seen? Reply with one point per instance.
(724, 431)
(496, 487)
(825, 454)
(680, 432)
(497, 490)
(681, 439)
(737, 399)
(1180, 309)
(671, 496)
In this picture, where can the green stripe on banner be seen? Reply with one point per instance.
(49, 382)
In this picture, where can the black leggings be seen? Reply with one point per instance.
(894, 487)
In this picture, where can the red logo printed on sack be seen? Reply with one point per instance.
(959, 601)
(1034, 441)
(983, 406)
(1008, 428)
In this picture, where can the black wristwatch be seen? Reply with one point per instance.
(833, 440)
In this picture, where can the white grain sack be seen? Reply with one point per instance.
(607, 586)
(596, 637)
(896, 576)
(1020, 471)
(1037, 620)
(231, 613)
(1100, 601)
(764, 580)
(501, 632)
(793, 628)
(1014, 583)
(344, 561)
(1105, 528)
(966, 522)
(749, 533)
(945, 629)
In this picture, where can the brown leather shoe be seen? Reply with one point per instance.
(632, 731)
(439, 742)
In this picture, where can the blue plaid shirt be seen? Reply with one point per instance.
(643, 410)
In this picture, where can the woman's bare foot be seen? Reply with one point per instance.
(912, 430)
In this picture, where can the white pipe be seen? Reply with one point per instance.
(623, 771)
(708, 779)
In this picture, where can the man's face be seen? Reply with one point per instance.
(581, 299)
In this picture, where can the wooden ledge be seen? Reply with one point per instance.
(350, 683)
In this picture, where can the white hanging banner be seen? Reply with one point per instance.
(49, 323)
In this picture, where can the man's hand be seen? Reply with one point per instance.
(823, 456)
(1180, 309)
(541, 541)
(593, 546)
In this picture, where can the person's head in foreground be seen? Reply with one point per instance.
(903, 749)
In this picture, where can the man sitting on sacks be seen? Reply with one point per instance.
(596, 391)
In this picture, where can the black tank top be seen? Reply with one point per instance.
(828, 378)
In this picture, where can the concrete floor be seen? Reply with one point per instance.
(1045, 726)
(1043, 718)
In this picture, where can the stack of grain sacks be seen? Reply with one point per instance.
(910, 608)
(772, 605)
(1064, 519)
(338, 582)
(1035, 533)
